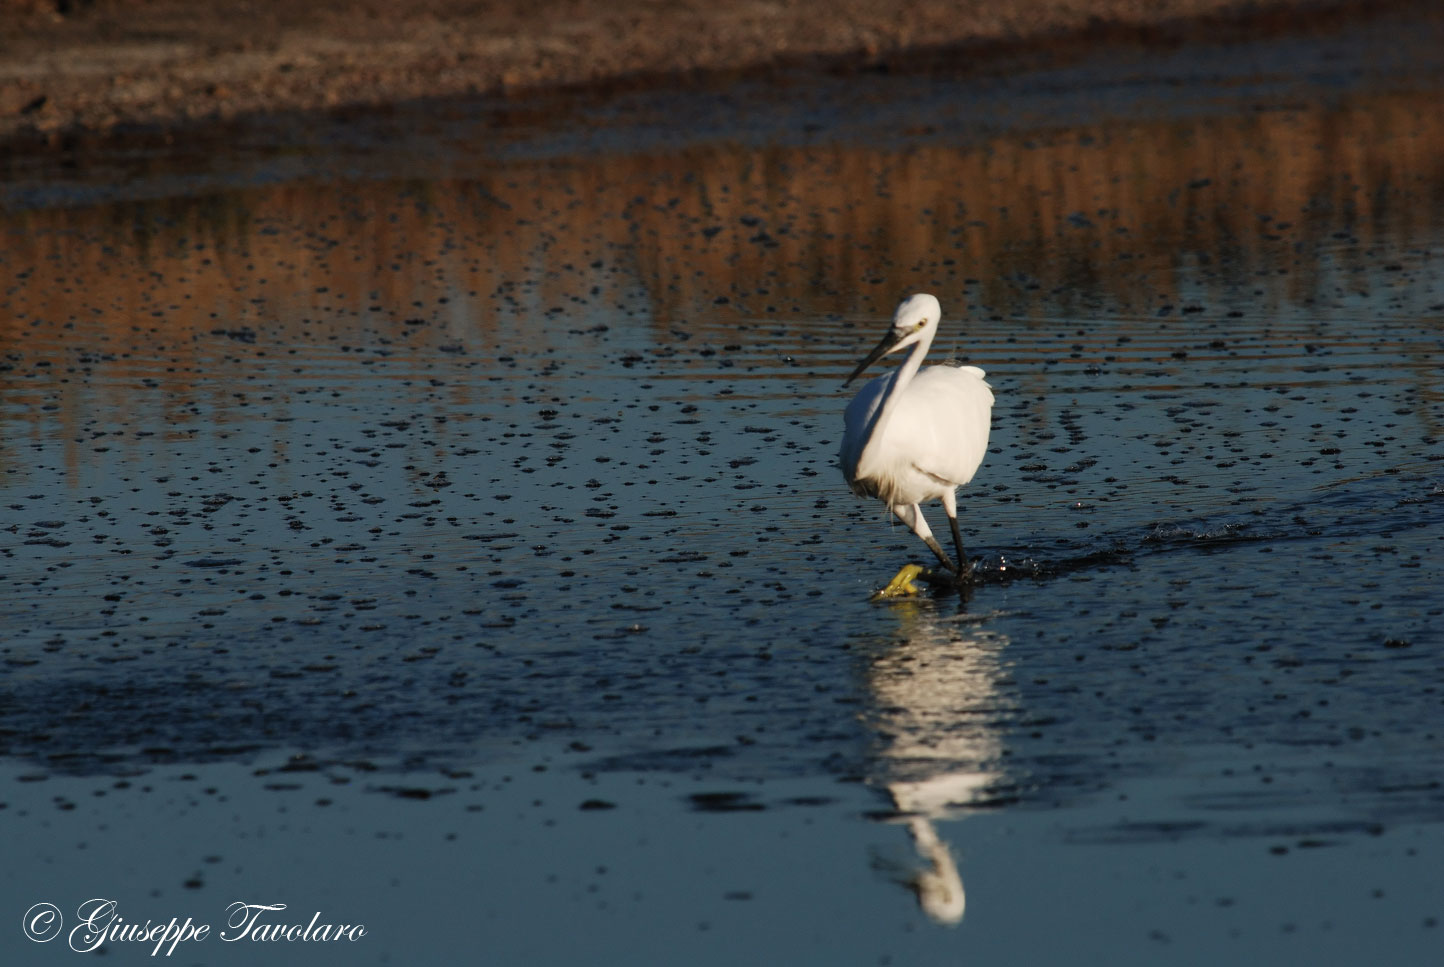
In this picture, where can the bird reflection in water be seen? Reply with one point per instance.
(939, 710)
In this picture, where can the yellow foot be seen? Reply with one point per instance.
(901, 585)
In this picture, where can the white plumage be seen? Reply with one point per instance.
(914, 436)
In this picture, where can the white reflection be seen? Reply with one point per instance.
(939, 715)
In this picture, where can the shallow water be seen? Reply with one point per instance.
(439, 521)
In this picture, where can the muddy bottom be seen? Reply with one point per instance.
(436, 525)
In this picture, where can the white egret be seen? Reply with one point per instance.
(913, 436)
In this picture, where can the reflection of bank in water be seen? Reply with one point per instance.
(939, 704)
(1288, 201)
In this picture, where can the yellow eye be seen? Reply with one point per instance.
(922, 323)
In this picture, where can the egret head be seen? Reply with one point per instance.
(916, 318)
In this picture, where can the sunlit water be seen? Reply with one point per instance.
(457, 535)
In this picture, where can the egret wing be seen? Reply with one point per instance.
(857, 423)
(942, 422)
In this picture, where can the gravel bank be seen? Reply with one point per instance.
(73, 66)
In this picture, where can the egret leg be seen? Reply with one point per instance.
(950, 506)
(942, 554)
(912, 515)
(965, 566)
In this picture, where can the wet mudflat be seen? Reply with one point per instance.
(436, 526)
